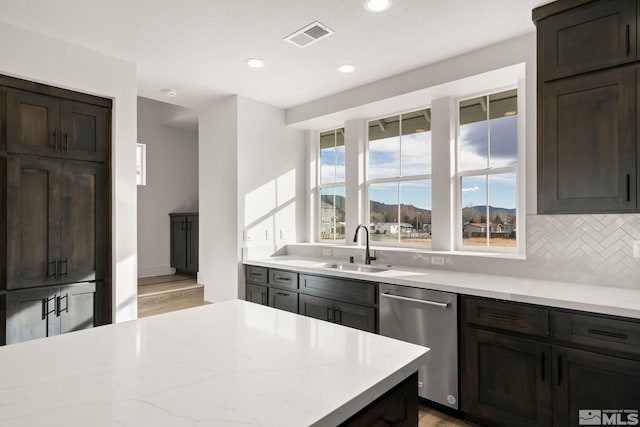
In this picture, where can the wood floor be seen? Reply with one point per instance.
(429, 417)
(162, 294)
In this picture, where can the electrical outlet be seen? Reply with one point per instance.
(437, 260)
(636, 248)
(326, 252)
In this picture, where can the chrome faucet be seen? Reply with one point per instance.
(367, 256)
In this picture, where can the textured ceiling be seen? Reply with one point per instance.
(199, 46)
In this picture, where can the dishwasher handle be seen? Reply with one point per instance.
(421, 301)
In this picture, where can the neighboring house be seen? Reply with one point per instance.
(329, 224)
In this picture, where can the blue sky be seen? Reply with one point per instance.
(385, 161)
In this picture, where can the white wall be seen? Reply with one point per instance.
(271, 180)
(252, 184)
(31, 56)
(219, 249)
(172, 183)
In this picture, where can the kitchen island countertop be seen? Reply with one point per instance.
(224, 364)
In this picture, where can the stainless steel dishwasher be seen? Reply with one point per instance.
(428, 318)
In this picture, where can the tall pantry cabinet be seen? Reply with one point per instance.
(54, 211)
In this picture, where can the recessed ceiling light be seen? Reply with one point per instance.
(170, 93)
(346, 68)
(377, 5)
(255, 63)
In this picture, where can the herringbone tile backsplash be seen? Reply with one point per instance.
(595, 249)
(589, 249)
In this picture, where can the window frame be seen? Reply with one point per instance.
(398, 179)
(321, 186)
(516, 170)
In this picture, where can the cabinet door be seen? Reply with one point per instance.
(33, 123)
(192, 243)
(355, 316)
(283, 300)
(506, 380)
(33, 222)
(75, 306)
(83, 188)
(587, 154)
(178, 242)
(85, 134)
(588, 381)
(593, 37)
(31, 314)
(316, 307)
(257, 294)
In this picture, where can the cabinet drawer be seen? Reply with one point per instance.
(283, 279)
(599, 332)
(257, 274)
(344, 290)
(283, 300)
(508, 316)
(592, 37)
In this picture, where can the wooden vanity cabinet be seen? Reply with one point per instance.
(184, 242)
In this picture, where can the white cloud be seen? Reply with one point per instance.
(466, 190)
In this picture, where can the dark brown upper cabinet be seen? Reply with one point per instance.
(587, 153)
(44, 125)
(587, 106)
(56, 222)
(595, 36)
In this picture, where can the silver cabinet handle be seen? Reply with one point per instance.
(421, 301)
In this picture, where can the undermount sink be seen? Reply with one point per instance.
(354, 267)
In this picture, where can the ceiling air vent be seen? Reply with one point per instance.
(309, 34)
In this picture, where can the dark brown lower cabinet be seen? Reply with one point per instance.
(44, 312)
(283, 300)
(342, 313)
(507, 379)
(257, 294)
(397, 407)
(184, 242)
(586, 381)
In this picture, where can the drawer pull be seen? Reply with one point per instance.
(628, 39)
(542, 367)
(282, 293)
(608, 334)
(503, 316)
(394, 423)
(286, 279)
(254, 274)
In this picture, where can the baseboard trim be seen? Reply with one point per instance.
(155, 270)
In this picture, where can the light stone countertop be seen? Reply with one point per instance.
(596, 299)
(225, 364)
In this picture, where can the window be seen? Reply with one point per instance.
(332, 185)
(487, 171)
(141, 164)
(399, 178)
